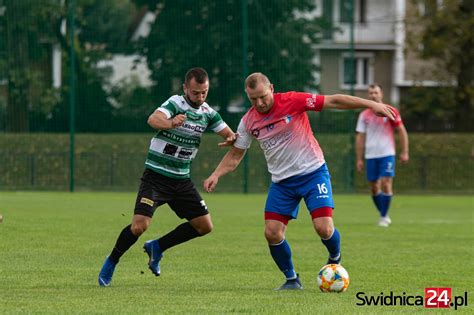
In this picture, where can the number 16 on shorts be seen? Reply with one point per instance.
(437, 297)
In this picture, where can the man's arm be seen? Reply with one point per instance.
(359, 148)
(403, 134)
(158, 120)
(228, 164)
(341, 101)
(229, 137)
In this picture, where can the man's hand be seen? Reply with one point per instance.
(404, 157)
(384, 110)
(229, 141)
(360, 165)
(178, 120)
(210, 183)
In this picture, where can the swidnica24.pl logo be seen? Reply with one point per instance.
(433, 298)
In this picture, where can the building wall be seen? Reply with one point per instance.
(383, 72)
(331, 72)
(378, 29)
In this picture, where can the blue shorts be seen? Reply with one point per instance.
(380, 167)
(315, 188)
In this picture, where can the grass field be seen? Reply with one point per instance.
(52, 246)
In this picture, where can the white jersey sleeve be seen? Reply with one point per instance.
(170, 108)
(361, 127)
(244, 139)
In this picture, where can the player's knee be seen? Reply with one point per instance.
(375, 188)
(138, 228)
(324, 230)
(387, 187)
(204, 229)
(273, 236)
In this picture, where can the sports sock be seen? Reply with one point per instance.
(378, 201)
(333, 244)
(125, 240)
(385, 203)
(281, 254)
(180, 234)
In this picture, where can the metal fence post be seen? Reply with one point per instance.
(244, 74)
(32, 169)
(72, 94)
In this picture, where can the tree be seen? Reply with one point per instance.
(208, 33)
(445, 32)
(29, 28)
(26, 30)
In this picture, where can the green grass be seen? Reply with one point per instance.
(52, 246)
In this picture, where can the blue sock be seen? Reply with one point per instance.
(281, 254)
(385, 203)
(333, 244)
(378, 201)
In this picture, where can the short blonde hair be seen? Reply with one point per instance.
(256, 78)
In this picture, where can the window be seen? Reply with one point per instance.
(357, 8)
(328, 18)
(358, 71)
(345, 10)
(362, 11)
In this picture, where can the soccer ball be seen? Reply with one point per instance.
(333, 278)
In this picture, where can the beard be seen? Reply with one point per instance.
(193, 104)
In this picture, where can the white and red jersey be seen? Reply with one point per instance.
(284, 134)
(379, 138)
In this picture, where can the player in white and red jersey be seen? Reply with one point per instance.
(376, 135)
(295, 160)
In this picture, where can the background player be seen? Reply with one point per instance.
(375, 141)
(280, 124)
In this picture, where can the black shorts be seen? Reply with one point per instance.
(180, 194)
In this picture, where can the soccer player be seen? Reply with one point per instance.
(280, 124)
(180, 122)
(375, 135)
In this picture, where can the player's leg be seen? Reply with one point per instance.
(387, 194)
(275, 227)
(129, 236)
(317, 194)
(372, 172)
(187, 203)
(387, 172)
(281, 206)
(144, 209)
(330, 236)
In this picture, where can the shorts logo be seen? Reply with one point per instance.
(147, 201)
(203, 204)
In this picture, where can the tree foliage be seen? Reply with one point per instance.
(208, 33)
(25, 30)
(29, 28)
(446, 38)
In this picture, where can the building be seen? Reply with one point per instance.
(380, 51)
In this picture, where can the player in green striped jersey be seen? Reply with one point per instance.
(180, 123)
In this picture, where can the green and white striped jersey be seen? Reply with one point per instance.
(172, 150)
